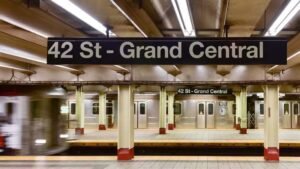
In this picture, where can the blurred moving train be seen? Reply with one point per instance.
(191, 111)
(33, 123)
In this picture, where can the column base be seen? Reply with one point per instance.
(79, 131)
(238, 126)
(102, 127)
(271, 154)
(243, 131)
(171, 126)
(162, 130)
(125, 154)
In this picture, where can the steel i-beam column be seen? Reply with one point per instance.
(171, 96)
(125, 122)
(162, 110)
(79, 130)
(102, 111)
(271, 122)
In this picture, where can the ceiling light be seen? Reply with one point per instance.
(40, 141)
(284, 17)
(184, 17)
(124, 13)
(82, 15)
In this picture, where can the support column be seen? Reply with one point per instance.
(162, 110)
(171, 96)
(243, 97)
(271, 122)
(125, 122)
(79, 130)
(238, 110)
(102, 111)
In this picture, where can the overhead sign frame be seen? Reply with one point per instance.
(168, 51)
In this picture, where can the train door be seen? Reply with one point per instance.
(210, 115)
(222, 115)
(205, 115)
(286, 119)
(295, 115)
(201, 121)
(140, 114)
(259, 114)
(135, 115)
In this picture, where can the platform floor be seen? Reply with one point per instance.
(145, 162)
(208, 135)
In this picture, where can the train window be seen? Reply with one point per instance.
(234, 109)
(210, 109)
(261, 109)
(177, 108)
(109, 107)
(201, 109)
(73, 108)
(296, 107)
(142, 108)
(109, 110)
(109, 104)
(167, 110)
(9, 112)
(95, 108)
(286, 109)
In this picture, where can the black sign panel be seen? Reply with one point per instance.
(206, 91)
(193, 51)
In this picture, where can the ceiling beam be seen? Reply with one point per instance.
(293, 54)
(138, 17)
(236, 12)
(142, 21)
(14, 48)
(223, 16)
(43, 24)
(11, 66)
(22, 34)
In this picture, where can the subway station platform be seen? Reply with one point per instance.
(185, 137)
(145, 162)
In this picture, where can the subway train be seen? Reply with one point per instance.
(190, 111)
(33, 123)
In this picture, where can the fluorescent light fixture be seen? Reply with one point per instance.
(63, 135)
(284, 17)
(24, 26)
(40, 141)
(125, 14)
(28, 56)
(184, 17)
(82, 15)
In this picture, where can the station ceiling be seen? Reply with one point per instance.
(25, 26)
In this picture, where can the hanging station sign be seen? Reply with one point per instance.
(205, 91)
(162, 51)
